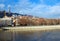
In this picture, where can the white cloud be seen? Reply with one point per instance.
(2, 5)
(42, 1)
(46, 11)
(3, 0)
(40, 10)
(9, 6)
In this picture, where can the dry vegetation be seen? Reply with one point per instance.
(26, 20)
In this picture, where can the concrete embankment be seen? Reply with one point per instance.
(33, 28)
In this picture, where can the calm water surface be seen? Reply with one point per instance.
(52, 35)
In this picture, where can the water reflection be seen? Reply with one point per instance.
(52, 35)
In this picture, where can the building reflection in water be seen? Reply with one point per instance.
(52, 35)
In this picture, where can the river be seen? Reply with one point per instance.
(43, 35)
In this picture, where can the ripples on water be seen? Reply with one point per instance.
(52, 35)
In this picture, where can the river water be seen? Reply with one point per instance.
(47, 35)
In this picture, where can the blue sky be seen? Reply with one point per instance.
(39, 8)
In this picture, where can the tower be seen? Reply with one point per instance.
(5, 14)
(9, 9)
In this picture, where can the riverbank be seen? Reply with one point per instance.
(32, 28)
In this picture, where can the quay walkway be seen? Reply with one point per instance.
(32, 28)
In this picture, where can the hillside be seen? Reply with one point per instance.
(25, 20)
(9, 15)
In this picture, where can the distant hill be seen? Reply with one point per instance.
(9, 15)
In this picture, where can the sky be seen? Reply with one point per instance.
(39, 8)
